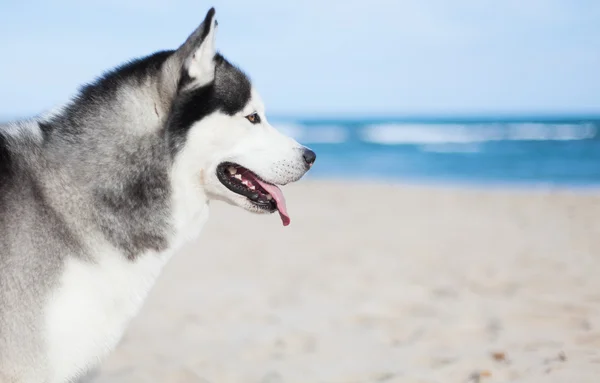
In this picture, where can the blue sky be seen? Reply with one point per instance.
(326, 58)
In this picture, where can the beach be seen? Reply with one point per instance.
(378, 283)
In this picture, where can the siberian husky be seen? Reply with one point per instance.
(98, 195)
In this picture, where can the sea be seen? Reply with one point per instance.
(539, 151)
(509, 151)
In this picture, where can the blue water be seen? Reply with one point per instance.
(532, 151)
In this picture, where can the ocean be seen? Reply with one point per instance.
(562, 152)
(509, 151)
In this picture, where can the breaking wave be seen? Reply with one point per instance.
(438, 134)
(325, 134)
(539, 152)
(394, 134)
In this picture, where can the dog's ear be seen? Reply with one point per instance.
(196, 55)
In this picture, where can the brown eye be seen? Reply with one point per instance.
(253, 118)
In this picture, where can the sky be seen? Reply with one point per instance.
(330, 58)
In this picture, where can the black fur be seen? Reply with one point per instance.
(46, 129)
(208, 22)
(6, 173)
(102, 91)
(228, 93)
(134, 72)
(5, 161)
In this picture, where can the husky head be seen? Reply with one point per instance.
(222, 141)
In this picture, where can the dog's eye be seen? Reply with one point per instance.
(253, 118)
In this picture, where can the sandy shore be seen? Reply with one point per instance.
(375, 283)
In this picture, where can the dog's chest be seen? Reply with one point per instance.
(91, 308)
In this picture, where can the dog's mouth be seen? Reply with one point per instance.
(260, 193)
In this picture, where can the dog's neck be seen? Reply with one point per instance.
(190, 207)
(131, 188)
(108, 150)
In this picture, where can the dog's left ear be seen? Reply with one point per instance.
(196, 55)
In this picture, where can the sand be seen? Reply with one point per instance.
(379, 283)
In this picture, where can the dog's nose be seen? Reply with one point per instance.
(309, 157)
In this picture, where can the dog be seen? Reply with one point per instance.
(97, 196)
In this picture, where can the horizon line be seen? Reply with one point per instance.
(501, 116)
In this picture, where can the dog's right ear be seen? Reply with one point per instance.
(195, 58)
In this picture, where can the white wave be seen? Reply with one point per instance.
(553, 132)
(326, 134)
(423, 134)
(292, 130)
(393, 134)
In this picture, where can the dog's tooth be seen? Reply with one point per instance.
(232, 170)
(269, 197)
(252, 187)
(238, 176)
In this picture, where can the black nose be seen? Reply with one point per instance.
(309, 157)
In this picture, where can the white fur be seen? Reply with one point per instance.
(89, 312)
(274, 157)
(199, 65)
(52, 112)
(23, 129)
(87, 315)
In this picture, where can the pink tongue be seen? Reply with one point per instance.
(277, 195)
